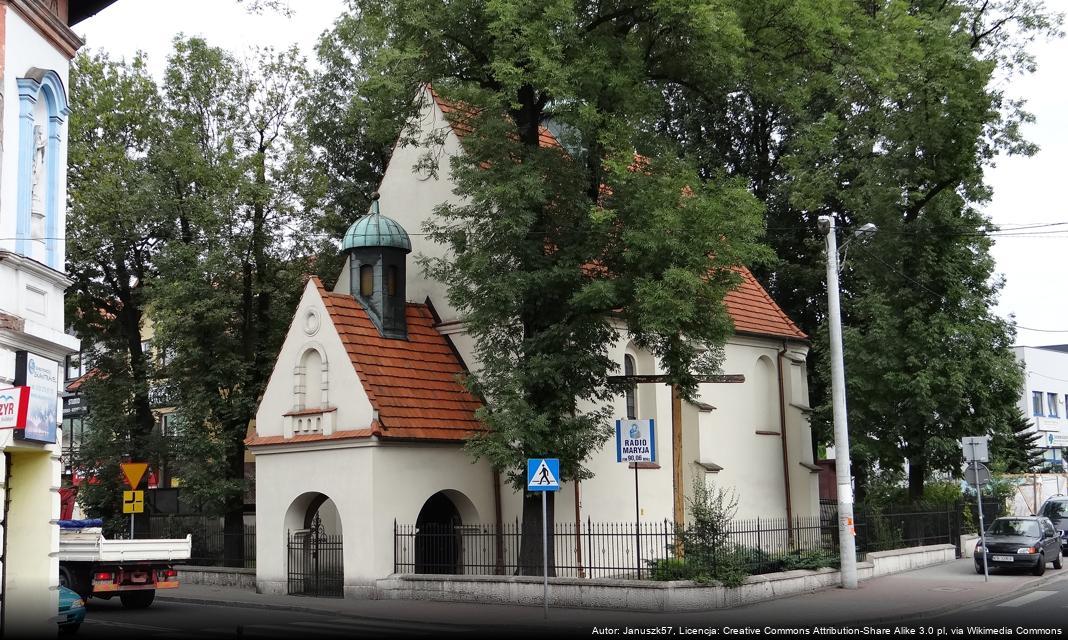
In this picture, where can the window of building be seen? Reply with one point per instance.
(1052, 402)
(74, 367)
(631, 393)
(1036, 403)
(170, 423)
(391, 281)
(367, 280)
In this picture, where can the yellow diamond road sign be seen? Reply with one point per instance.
(133, 501)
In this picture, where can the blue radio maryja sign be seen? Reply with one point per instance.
(543, 474)
(635, 441)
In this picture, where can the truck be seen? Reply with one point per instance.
(93, 566)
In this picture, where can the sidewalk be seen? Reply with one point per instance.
(904, 597)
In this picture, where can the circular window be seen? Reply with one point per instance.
(311, 322)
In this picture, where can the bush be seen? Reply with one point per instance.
(709, 553)
(811, 559)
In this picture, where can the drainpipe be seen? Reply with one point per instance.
(785, 448)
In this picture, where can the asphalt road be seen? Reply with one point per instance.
(1045, 606)
(107, 619)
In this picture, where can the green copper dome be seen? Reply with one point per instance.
(376, 230)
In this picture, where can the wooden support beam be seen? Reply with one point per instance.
(731, 378)
(676, 454)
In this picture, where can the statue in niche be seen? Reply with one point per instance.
(38, 170)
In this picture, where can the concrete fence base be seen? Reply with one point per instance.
(642, 595)
(220, 576)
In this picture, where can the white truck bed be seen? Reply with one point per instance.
(89, 545)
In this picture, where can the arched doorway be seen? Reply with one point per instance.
(438, 543)
(315, 565)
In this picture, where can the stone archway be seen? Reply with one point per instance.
(439, 532)
(314, 559)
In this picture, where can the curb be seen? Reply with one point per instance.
(1028, 587)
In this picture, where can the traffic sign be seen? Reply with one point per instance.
(133, 501)
(635, 441)
(975, 448)
(977, 469)
(543, 474)
(133, 471)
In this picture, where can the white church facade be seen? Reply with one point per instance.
(362, 424)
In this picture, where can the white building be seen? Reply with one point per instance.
(1045, 395)
(36, 46)
(363, 420)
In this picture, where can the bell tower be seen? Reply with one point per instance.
(377, 247)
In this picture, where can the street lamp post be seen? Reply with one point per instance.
(846, 530)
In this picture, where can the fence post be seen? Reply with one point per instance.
(394, 545)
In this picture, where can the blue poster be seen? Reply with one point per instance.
(41, 375)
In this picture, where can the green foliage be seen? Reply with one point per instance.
(709, 552)
(1015, 446)
(884, 113)
(114, 230)
(810, 559)
(532, 218)
(190, 206)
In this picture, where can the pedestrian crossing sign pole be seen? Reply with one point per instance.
(543, 474)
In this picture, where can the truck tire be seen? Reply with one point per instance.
(137, 599)
(75, 580)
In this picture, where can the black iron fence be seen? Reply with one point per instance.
(899, 526)
(593, 549)
(213, 546)
(631, 550)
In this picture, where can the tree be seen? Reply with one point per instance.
(1015, 447)
(114, 232)
(235, 268)
(884, 113)
(552, 247)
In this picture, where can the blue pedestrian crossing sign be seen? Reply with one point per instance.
(543, 474)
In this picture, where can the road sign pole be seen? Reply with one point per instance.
(545, 551)
(131, 526)
(637, 522)
(982, 523)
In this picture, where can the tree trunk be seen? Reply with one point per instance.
(917, 476)
(530, 545)
(234, 520)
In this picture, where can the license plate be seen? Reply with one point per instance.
(1002, 558)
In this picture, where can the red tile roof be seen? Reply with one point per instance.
(414, 384)
(755, 313)
(460, 116)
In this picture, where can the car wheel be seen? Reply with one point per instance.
(137, 599)
(978, 568)
(1057, 562)
(1040, 568)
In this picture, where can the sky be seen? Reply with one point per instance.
(1026, 190)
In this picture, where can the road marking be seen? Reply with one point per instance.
(1027, 599)
(129, 625)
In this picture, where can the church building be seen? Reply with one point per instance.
(362, 424)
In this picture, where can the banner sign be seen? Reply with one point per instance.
(14, 404)
(635, 441)
(41, 375)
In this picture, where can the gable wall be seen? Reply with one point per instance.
(345, 391)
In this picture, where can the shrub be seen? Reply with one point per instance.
(809, 559)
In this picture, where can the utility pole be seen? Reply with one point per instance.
(846, 531)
